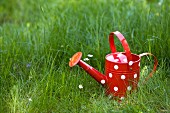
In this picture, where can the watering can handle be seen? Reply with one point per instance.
(154, 67)
(123, 42)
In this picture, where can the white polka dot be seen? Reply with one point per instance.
(102, 81)
(110, 75)
(130, 63)
(139, 64)
(121, 98)
(129, 88)
(123, 77)
(135, 75)
(115, 88)
(116, 67)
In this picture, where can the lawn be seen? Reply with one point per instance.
(38, 37)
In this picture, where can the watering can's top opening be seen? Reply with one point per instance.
(117, 57)
(75, 59)
(120, 57)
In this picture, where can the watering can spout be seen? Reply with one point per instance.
(76, 59)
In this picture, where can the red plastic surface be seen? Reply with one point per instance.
(123, 42)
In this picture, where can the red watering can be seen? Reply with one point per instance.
(122, 69)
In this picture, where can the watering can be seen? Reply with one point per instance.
(122, 69)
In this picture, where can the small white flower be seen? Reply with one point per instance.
(129, 88)
(89, 55)
(30, 99)
(86, 59)
(62, 46)
(121, 98)
(80, 86)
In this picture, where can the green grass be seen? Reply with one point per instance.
(37, 39)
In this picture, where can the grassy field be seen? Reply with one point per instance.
(38, 37)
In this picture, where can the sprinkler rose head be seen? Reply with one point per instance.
(75, 59)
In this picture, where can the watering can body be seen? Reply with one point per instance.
(122, 69)
(122, 76)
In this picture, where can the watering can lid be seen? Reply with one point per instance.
(75, 59)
